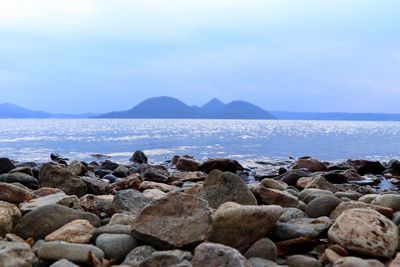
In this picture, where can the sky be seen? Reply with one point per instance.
(77, 56)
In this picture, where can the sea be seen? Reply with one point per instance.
(245, 140)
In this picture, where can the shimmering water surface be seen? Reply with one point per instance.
(34, 140)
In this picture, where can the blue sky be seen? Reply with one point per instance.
(298, 55)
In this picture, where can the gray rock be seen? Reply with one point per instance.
(6, 165)
(139, 157)
(14, 194)
(76, 168)
(321, 206)
(15, 254)
(155, 173)
(63, 263)
(388, 200)
(129, 200)
(263, 248)
(73, 252)
(270, 196)
(116, 246)
(45, 220)
(259, 262)
(302, 261)
(291, 213)
(211, 254)
(20, 177)
(136, 256)
(222, 164)
(58, 198)
(309, 194)
(221, 187)
(303, 227)
(95, 186)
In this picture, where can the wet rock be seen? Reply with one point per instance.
(276, 197)
(310, 164)
(356, 204)
(367, 167)
(295, 246)
(139, 157)
(73, 252)
(302, 261)
(99, 205)
(20, 177)
(76, 168)
(63, 263)
(210, 254)
(110, 178)
(335, 177)
(58, 198)
(78, 232)
(55, 176)
(6, 165)
(109, 165)
(240, 226)
(186, 164)
(45, 220)
(302, 227)
(352, 176)
(263, 248)
(14, 194)
(322, 206)
(136, 256)
(15, 254)
(155, 173)
(116, 246)
(291, 213)
(388, 200)
(160, 186)
(221, 187)
(365, 232)
(95, 186)
(176, 221)
(121, 171)
(129, 200)
(222, 164)
(291, 177)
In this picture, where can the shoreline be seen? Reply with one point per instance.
(211, 213)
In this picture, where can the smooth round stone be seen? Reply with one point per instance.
(302, 261)
(368, 198)
(274, 184)
(388, 200)
(349, 195)
(73, 252)
(307, 195)
(116, 246)
(259, 262)
(136, 256)
(63, 263)
(263, 248)
(110, 177)
(321, 206)
(15, 254)
(291, 213)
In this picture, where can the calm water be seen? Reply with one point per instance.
(27, 140)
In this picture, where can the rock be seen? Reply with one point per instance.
(221, 187)
(95, 186)
(368, 198)
(335, 177)
(6, 165)
(45, 220)
(121, 171)
(320, 182)
(20, 177)
(353, 176)
(388, 200)
(153, 194)
(367, 167)
(349, 195)
(99, 205)
(302, 227)
(110, 178)
(365, 232)
(224, 165)
(307, 195)
(187, 176)
(176, 221)
(302, 261)
(133, 181)
(16, 254)
(129, 200)
(160, 186)
(58, 198)
(14, 194)
(139, 157)
(291, 213)
(76, 168)
(263, 248)
(63, 263)
(356, 262)
(274, 184)
(109, 165)
(23, 169)
(6, 222)
(55, 176)
(276, 197)
(170, 258)
(78, 232)
(210, 254)
(136, 256)
(396, 261)
(295, 246)
(155, 173)
(186, 164)
(258, 262)
(45, 191)
(291, 177)
(73, 252)
(112, 229)
(240, 226)
(122, 218)
(116, 246)
(356, 204)
(322, 206)
(312, 165)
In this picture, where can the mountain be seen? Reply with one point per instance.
(11, 111)
(340, 116)
(172, 108)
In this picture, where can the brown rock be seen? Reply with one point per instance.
(78, 232)
(311, 164)
(239, 226)
(133, 181)
(388, 212)
(222, 164)
(14, 194)
(276, 197)
(153, 185)
(99, 205)
(186, 164)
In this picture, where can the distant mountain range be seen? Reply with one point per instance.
(171, 108)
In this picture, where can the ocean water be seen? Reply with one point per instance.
(244, 140)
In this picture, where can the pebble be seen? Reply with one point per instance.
(116, 246)
(72, 252)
